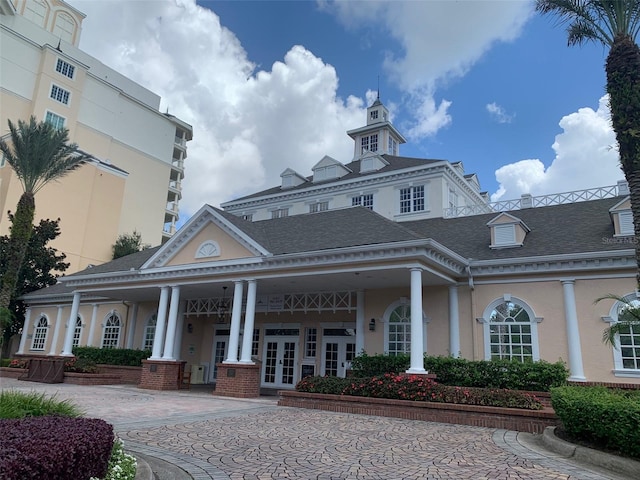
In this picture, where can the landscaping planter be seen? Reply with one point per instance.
(531, 421)
(10, 372)
(91, 378)
(128, 375)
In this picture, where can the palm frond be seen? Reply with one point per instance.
(628, 318)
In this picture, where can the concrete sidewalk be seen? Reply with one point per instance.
(195, 435)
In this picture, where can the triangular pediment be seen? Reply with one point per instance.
(207, 237)
(506, 219)
(624, 204)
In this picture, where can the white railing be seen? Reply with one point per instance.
(528, 201)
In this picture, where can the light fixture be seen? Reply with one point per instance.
(372, 325)
(223, 310)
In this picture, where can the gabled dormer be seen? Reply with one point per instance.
(291, 178)
(507, 231)
(622, 218)
(372, 162)
(378, 136)
(328, 169)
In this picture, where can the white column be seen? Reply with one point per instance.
(249, 317)
(173, 323)
(177, 343)
(131, 331)
(25, 331)
(68, 338)
(417, 335)
(359, 321)
(92, 327)
(158, 337)
(454, 322)
(234, 334)
(56, 333)
(573, 332)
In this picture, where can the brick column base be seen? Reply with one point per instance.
(160, 375)
(238, 380)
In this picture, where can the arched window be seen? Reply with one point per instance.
(510, 331)
(77, 333)
(626, 352)
(149, 332)
(111, 332)
(36, 11)
(40, 333)
(397, 328)
(64, 27)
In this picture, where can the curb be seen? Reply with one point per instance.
(143, 470)
(593, 457)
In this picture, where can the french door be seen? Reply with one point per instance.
(338, 350)
(280, 358)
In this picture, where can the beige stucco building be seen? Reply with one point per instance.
(409, 270)
(138, 152)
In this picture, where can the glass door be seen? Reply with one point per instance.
(338, 350)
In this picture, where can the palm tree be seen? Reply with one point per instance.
(628, 321)
(614, 24)
(38, 154)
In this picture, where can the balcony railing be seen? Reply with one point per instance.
(180, 141)
(529, 201)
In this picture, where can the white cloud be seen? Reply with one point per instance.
(243, 119)
(586, 157)
(498, 113)
(440, 41)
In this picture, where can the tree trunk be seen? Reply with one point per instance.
(18, 242)
(623, 86)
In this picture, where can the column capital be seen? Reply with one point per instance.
(568, 281)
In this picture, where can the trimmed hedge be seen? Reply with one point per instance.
(503, 374)
(54, 447)
(112, 356)
(607, 418)
(418, 388)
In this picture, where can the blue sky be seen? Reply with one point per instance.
(274, 84)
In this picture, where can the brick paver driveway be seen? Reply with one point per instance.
(219, 438)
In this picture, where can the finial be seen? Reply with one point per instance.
(58, 47)
(378, 87)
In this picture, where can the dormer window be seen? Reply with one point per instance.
(622, 218)
(329, 169)
(290, 178)
(507, 231)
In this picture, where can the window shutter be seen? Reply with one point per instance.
(504, 234)
(626, 223)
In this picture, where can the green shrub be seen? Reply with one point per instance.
(4, 362)
(417, 388)
(364, 365)
(80, 365)
(112, 356)
(510, 374)
(513, 375)
(604, 417)
(15, 404)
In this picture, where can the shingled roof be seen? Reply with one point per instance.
(555, 230)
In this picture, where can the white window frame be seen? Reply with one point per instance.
(318, 207)
(59, 94)
(619, 369)
(532, 323)
(373, 115)
(77, 332)
(280, 213)
(405, 303)
(65, 69)
(40, 332)
(149, 331)
(625, 223)
(310, 342)
(111, 332)
(55, 119)
(504, 235)
(365, 200)
(208, 249)
(413, 199)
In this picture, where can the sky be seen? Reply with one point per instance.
(269, 85)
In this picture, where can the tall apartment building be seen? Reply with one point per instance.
(133, 181)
